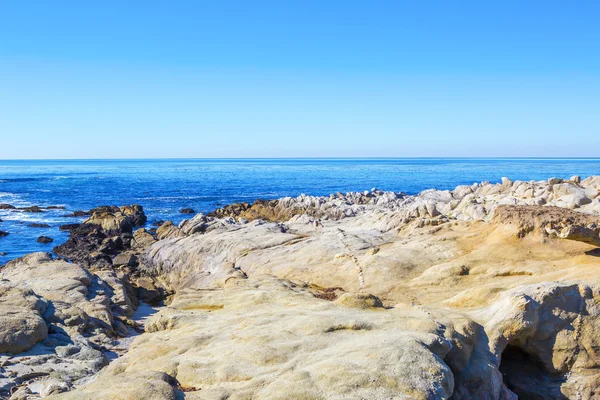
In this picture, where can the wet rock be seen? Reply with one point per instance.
(38, 225)
(158, 223)
(5, 206)
(3, 234)
(79, 213)
(45, 239)
(135, 213)
(112, 222)
(32, 209)
(68, 227)
(55, 208)
(187, 211)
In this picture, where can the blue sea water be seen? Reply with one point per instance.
(164, 187)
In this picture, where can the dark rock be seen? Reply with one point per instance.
(158, 223)
(188, 211)
(38, 225)
(68, 227)
(135, 213)
(104, 209)
(152, 231)
(55, 208)
(2, 253)
(45, 239)
(5, 206)
(3, 233)
(32, 209)
(79, 213)
(148, 292)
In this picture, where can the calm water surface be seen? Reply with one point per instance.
(164, 187)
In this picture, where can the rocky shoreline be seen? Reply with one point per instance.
(486, 291)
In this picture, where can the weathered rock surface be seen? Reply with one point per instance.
(466, 294)
(56, 318)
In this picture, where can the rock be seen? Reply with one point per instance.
(147, 291)
(5, 206)
(187, 211)
(158, 223)
(79, 213)
(142, 238)
(21, 324)
(125, 259)
(45, 239)
(114, 223)
(53, 386)
(32, 209)
(337, 352)
(575, 179)
(2, 253)
(135, 213)
(168, 230)
(198, 223)
(68, 227)
(149, 385)
(59, 312)
(554, 181)
(359, 300)
(3, 234)
(38, 225)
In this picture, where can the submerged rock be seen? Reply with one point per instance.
(38, 225)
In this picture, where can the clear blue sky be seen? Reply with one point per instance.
(128, 79)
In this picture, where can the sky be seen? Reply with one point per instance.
(193, 79)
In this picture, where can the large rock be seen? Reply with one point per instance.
(21, 324)
(168, 230)
(58, 315)
(270, 339)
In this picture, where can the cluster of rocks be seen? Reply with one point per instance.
(464, 293)
(477, 201)
(68, 314)
(30, 209)
(57, 321)
(483, 269)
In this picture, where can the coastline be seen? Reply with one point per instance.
(484, 259)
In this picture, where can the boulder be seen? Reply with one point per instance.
(116, 222)
(142, 238)
(168, 230)
(135, 213)
(45, 239)
(126, 259)
(21, 324)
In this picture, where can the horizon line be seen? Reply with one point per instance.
(310, 158)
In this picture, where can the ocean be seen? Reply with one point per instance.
(165, 186)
